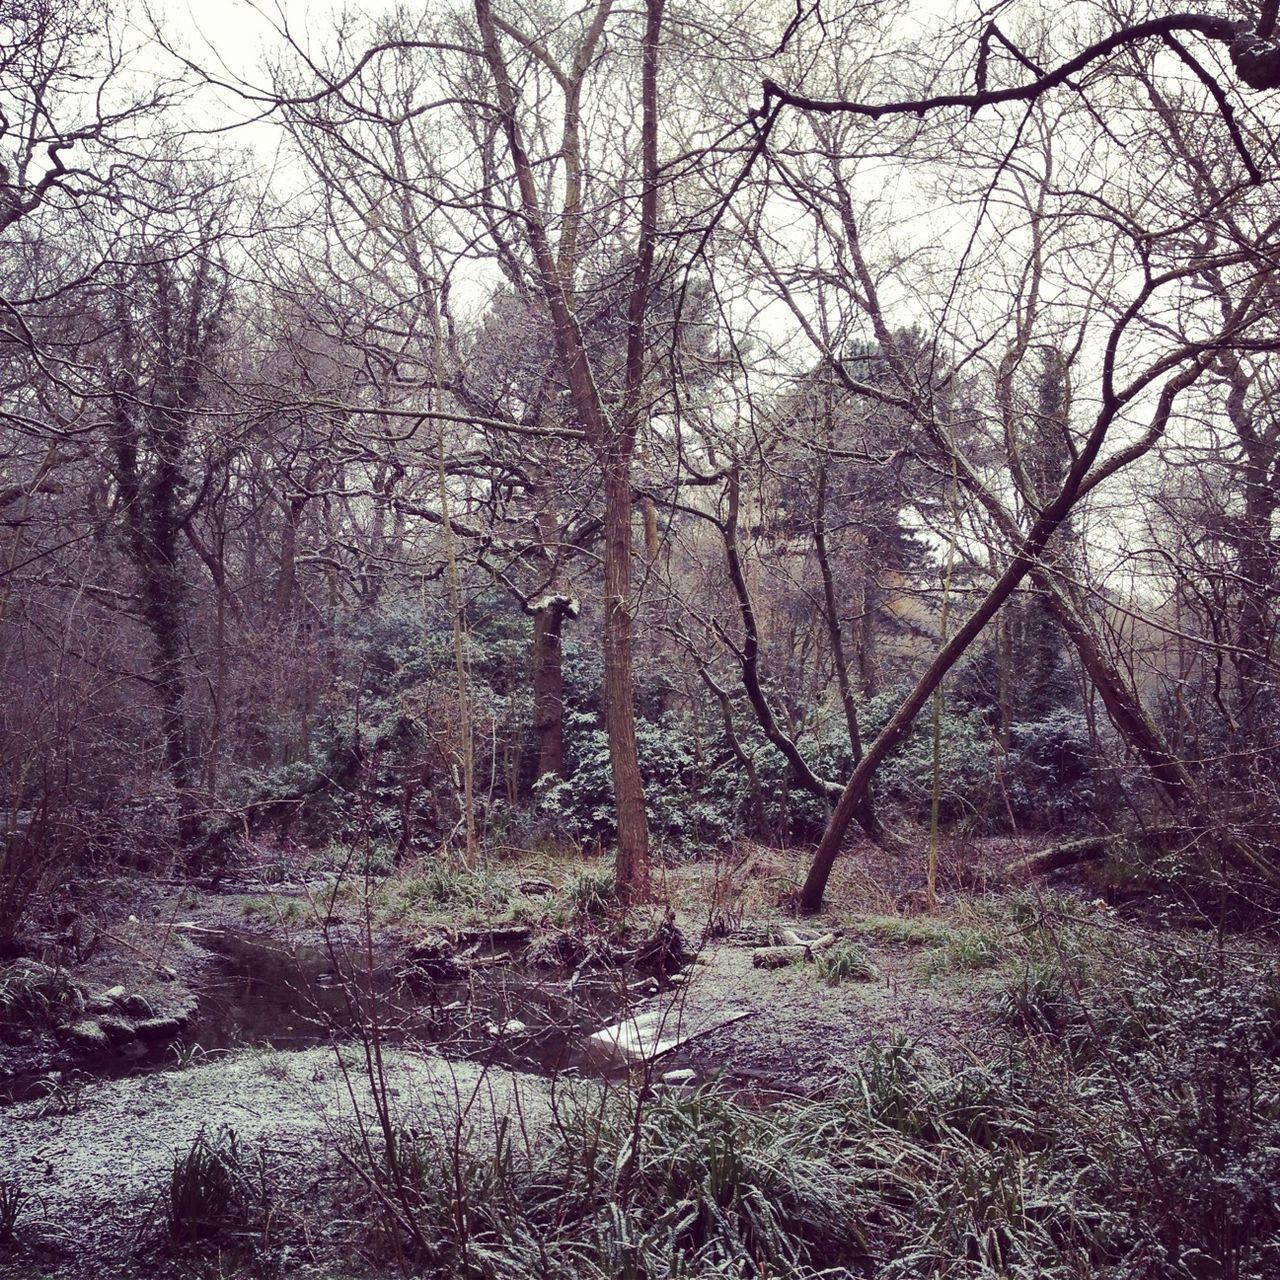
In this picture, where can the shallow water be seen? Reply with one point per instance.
(268, 995)
(303, 996)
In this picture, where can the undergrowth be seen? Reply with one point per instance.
(1124, 1124)
(32, 994)
(439, 886)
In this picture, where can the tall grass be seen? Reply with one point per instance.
(685, 1185)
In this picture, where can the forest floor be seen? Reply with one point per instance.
(93, 1139)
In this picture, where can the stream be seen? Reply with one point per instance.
(306, 996)
(261, 994)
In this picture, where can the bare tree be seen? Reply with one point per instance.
(1136, 373)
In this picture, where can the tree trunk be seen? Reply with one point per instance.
(632, 868)
(286, 577)
(1027, 558)
(162, 607)
(866, 816)
(613, 439)
(548, 683)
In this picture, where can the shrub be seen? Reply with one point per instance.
(359, 858)
(1049, 770)
(964, 761)
(688, 805)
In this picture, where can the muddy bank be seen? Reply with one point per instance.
(476, 998)
(111, 1014)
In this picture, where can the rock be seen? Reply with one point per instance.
(136, 1006)
(85, 1034)
(682, 1075)
(159, 1028)
(118, 1030)
(105, 1001)
(512, 1027)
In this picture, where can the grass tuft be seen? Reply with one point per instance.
(34, 994)
(14, 1199)
(440, 887)
(207, 1189)
(592, 895)
(845, 962)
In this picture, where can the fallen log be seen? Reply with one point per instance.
(1058, 856)
(647, 1036)
(794, 950)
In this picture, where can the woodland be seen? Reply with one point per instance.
(701, 578)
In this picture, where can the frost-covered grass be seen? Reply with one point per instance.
(434, 886)
(909, 930)
(1127, 1126)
